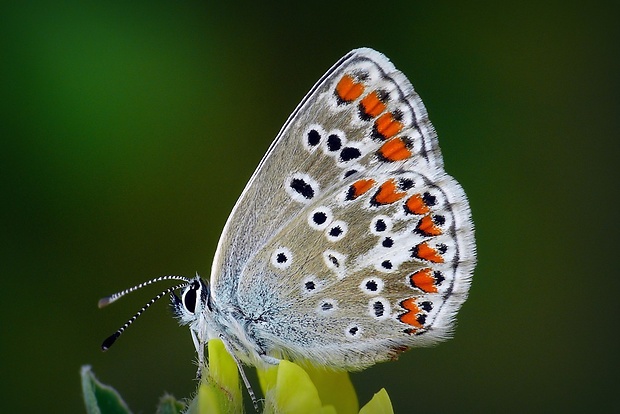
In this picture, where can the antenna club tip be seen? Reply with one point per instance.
(104, 302)
(109, 341)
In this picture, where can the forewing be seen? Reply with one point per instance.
(363, 102)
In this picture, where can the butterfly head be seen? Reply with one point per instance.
(195, 298)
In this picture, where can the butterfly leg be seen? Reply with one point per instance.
(200, 350)
(246, 382)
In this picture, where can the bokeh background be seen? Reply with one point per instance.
(130, 128)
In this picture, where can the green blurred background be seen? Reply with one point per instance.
(130, 128)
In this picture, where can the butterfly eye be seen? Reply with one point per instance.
(190, 296)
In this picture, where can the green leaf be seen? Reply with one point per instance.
(328, 409)
(220, 390)
(335, 388)
(209, 400)
(379, 404)
(223, 370)
(290, 389)
(294, 392)
(100, 398)
(267, 378)
(169, 405)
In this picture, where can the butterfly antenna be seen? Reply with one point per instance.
(113, 298)
(109, 341)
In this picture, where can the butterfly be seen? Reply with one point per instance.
(350, 243)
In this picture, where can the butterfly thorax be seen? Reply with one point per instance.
(208, 319)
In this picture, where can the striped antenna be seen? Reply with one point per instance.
(113, 298)
(109, 341)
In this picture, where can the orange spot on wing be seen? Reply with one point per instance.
(388, 193)
(415, 205)
(387, 126)
(348, 89)
(360, 187)
(428, 227)
(394, 150)
(424, 280)
(425, 252)
(410, 317)
(372, 105)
